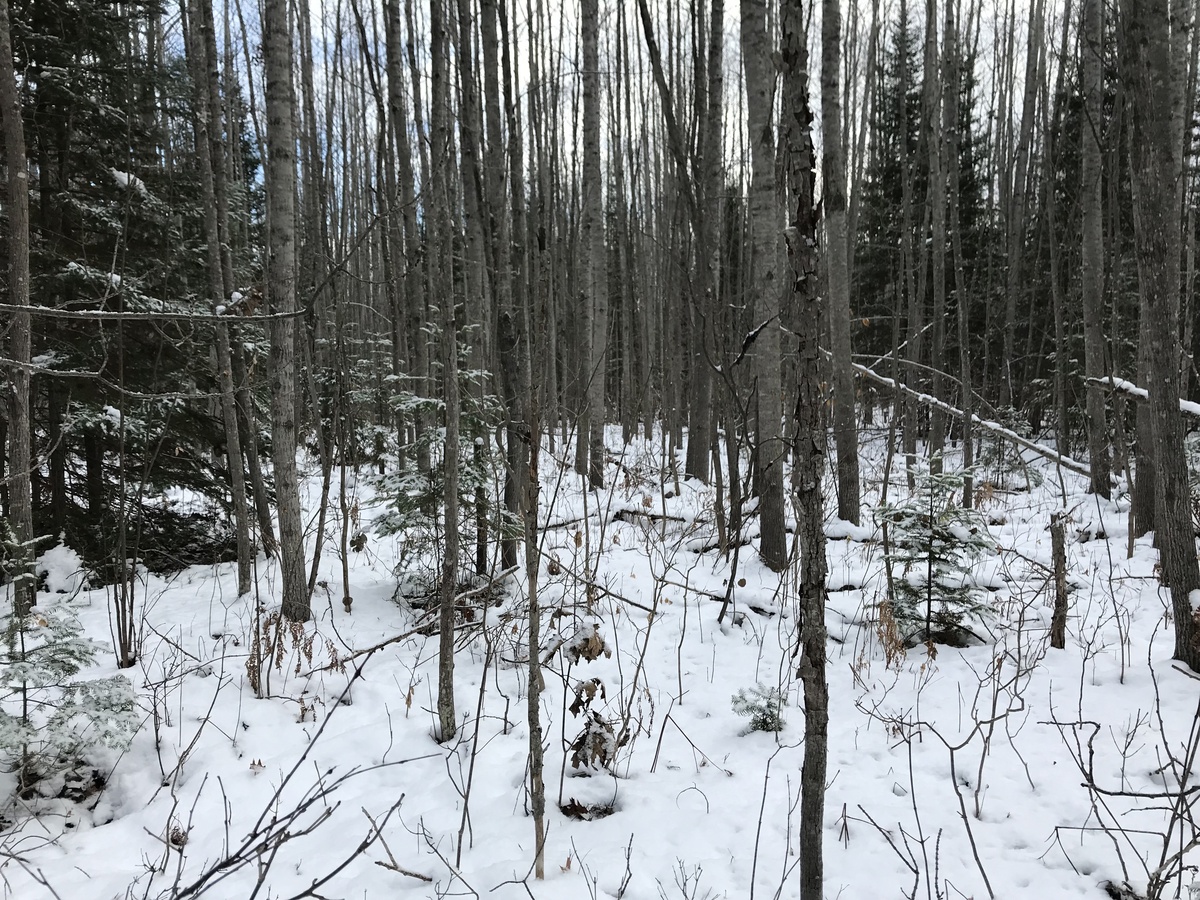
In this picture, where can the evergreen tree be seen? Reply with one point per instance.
(121, 408)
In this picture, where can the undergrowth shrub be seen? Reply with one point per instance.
(52, 723)
(932, 545)
(763, 705)
(999, 463)
(413, 498)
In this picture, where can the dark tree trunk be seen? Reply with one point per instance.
(1154, 94)
(20, 495)
(809, 447)
(443, 284)
(1092, 261)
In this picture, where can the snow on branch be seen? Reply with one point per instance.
(996, 428)
(1128, 388)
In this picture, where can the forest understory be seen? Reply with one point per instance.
(286, 760)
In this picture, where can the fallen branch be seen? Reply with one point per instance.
(1129, 389)
(423, 628)
(625, 515)
(995, 428)
(391, 863)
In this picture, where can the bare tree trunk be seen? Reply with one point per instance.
(837, 262)
(500, 238)
(934, 94)
(520, 313)
(914, 302)
(421, 277)
(701, 427)
(20, 496)
(1051, 122)
(198, 56)
(1155, 96)
(703, 223)
(809, 447)
(1143, 505)
(766, 260)
(870, 92)
(1016, 217)
(537, 785)
(594, 299)
(281, 300)
(950, 115)
(412, 308)
(1092, 242)
(1058, 558)
(247, 422)
(443, 288)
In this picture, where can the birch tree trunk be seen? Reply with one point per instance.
(837, 262)
(766, 259)
(281, 300)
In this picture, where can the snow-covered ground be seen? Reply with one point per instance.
(958, 773)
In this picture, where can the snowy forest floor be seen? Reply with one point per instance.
(955, 774)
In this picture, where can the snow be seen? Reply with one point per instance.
(983, 747)
(1128, 387)
(841, 530)
(127, 182)
(62, 570)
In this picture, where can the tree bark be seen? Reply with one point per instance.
(594, 296)
(914, 305)
(934, 92)
(500, 232)
(1155, 94)
(1016, 216)
(837, 262)
(701, 419)
(413, 305)
(439, 238)
(281, 300)
(1058, 557)
(1092, 242)
(1051, 122)
(950, 116)
(198, 57)
(20, 495)
(809, 447)
(765, 262)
